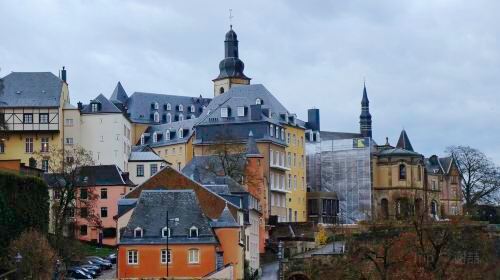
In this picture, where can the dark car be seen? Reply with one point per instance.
(77, 273)
(103, 264)
(95, 268)
(90, 272)
(111, 258)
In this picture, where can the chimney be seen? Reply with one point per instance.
(63, 74)
(80, 105)
(313, 119)
(255, 112)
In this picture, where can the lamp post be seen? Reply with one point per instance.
(175, 220)
(18, 259)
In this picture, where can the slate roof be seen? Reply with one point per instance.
(101, 175)
(140, 110)
(404, 142)
(251, 146)
(225, 220)
(446, 163)
(125, 204)
(207, 170)
(119, 94)
(105, 107)
(398, 152)
(150, 215)
(432, 165)
(144, 156)
(173, 127)
(30, 89)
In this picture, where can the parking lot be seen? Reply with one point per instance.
(109, 274)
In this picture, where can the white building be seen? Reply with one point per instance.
(144, 163)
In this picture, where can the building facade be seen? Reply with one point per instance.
(144, 163)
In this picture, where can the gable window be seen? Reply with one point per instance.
(94, 107)
(44, 118)
(258, 101)
(181, 108)
(192, 109)
(271, 130)
(165, 232)
(138, 232)
(194, 256)
(169, 107)
(156, 117)
(45, 145)
(104, 212)
(29, 145)
(402, 172)
(153, 168)
(224, 112)
(193, 232)
(133, 257)
(104, 193)
(181, 133)
(155, 137)
(166, 256)
(27, 118)
(45, 165)
(140, 170)
(241, 111)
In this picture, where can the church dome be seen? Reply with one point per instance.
(231, 67)
(231, 35)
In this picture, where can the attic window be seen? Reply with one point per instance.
(169, 118)
(241, 111)
(224, 112)
(167, 134)
(193, 232)
(169, 107)
(181, 108)
(156, 117)
(181, 117)
(258, 101)
(181, 133)
(165, 232)
(155, 105)
(155, 137)
(192, 109)
(138, 232)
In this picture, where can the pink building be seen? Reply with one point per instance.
(100, 188)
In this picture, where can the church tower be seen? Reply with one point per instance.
(365, 119)
(231, 67)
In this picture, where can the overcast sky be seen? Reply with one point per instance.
(431, 66)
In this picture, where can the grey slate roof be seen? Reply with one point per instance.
(119, 94)
(144, 156)
(150, 215)
(432, 165)
(30, 89)
(140, 110)
(105, 107)
(446, 163)
(225, 220)
(207, 170)
(398, 152)
(125, 204)
(251, 147)
(173, 127)
(101, 175)
(404, 142)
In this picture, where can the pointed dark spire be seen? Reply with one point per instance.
(404, 142)
(365, 119)
(231, 66)
(225, 220)
(252, 149)
(119, 94)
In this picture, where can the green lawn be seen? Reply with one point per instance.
(93, 250)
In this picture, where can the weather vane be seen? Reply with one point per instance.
(231, 18)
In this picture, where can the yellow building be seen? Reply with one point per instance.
(296, 176)
(31, 107)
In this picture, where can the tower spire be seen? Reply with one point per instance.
(365, 119)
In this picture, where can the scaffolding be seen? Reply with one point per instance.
(342, 166)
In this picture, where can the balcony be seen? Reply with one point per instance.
(279, 167)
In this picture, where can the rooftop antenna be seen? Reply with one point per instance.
(231, 18)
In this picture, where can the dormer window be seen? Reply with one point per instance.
(142, 139)
(271, 130)
(241, 111)
(258, 101)
(167, 134)
(181, 108)
(169, 118)
(169, 107)
(155, 137)
(224, 112)
(156, 117)
(192, 109)
(138, 232)
(181, 117)
(155, 106)
(204, 107)
(94, 107)
(193, 232)
(165, 232)
(181, 133)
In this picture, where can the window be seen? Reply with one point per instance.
(179, 166)
(29, 145)
(454, 179)
(140, 170)
(45, 165)
(68, 122)
(44, 118)
(153, 168)
(155, 137)
(167, 137)
(192, 109)
(156, 117)
(193, 232)
(181, 108)
(282, 134)
(45, 145)
(155, 106)
(402, 172)
(221, 90)
(288, 138)
(224, 112)
(434, 185)
(101, 138)
(2, 147)
(271, 130)
(277, 132)
(104, 193)
(94, 107)
(181, 133)
(169, 118)
(83, 193)
(258, 101)
(181, 117)
(166, 256)
(142, 139)
(241, 111)
(83, 230)
(27, 118)
(69, 141)
(289, 181)
(84, 212)
(165, 232)
(133, 257)
(138, 232)
(104, 212)
(194, 256)
(419, 175)
(169, 107)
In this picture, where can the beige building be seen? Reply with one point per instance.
(144, 163)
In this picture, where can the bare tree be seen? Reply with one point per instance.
(480, 177)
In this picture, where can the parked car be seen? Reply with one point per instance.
(112, 258)
(90, 272)
(77, 273)
(95, 268)
(101, 263)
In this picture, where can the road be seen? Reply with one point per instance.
(270, 271)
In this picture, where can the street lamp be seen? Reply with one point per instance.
(18, 259)
(175, 220)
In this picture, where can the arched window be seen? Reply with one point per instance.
(155, 105)
(384, 207)
(277, 132)
(181, 133)
(156, 117)
(142, 139)
(155, 137)
(167, 134)
(169, 107)
(165, 232)
(169, 118)
(181, 108)
(271, 130)
(193, 232)
(282, 134)
(192, 109)
(258, 101)
(138, 232)
(221, 90)
(181, 117)
(402, 172)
